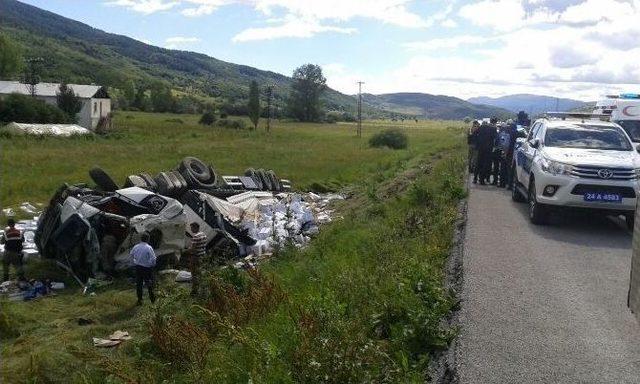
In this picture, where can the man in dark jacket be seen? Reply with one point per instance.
(12, 240)
(485, 140)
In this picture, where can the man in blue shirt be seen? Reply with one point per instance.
(144, 260)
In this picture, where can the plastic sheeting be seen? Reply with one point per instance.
(45, 129)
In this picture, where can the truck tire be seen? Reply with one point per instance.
(538, 213)
(252, 173)
(630, 220)
(178, 181)
(275, 182)
(266, 181)
(135, 181)
(103, 180)
(166, 184)
(151, 183)
(197, 173)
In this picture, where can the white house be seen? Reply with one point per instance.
(96, 102)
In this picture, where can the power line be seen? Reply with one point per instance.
(269, 97)
(360, 108)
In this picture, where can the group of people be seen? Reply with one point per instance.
(142, 254)
(491, 147)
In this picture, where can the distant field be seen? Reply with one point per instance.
(31, 168)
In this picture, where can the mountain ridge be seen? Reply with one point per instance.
(530, 103)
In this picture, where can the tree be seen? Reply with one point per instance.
(31, 75)
(10, 57)
(304, 99)
(26, 109)
(254, 103)
(161, 97)
(68, 101)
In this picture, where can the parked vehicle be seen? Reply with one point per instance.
(576, 162)
(623, 110)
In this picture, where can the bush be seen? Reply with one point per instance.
(392, 138)
(231, 123)
(26, 109)
(207, 118)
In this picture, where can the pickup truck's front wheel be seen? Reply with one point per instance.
(538, 213)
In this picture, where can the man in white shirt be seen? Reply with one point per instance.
(144, 260)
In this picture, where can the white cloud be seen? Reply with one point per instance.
(179, 41)
(449, 23)
(203, 7)
(146, 7)
(298, 18)
(299, 28)
(447, 43)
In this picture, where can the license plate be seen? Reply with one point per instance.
(603, 197)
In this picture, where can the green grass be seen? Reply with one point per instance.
(363, 303)
(305, 153)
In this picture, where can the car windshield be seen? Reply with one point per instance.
(587, 137)
(632, 127)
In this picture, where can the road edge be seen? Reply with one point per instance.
(444, 366)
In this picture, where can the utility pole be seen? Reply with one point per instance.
(360, 108)
(269, 97)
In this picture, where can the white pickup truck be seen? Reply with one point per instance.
(574, 162)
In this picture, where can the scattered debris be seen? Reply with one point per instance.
(83, 321)
(114, 339)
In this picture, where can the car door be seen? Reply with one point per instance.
(527, 153)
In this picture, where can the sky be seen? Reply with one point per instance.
(580, 49)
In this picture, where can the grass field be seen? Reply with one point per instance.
(363, 303)
(33, 169)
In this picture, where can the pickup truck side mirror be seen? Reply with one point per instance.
(534, 143)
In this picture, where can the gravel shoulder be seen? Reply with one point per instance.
(544, 304)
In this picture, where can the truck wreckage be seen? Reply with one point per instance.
(91, 230)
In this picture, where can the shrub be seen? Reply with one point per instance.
(232, 123)
(26, 109)
(207, 118)
(392, 138)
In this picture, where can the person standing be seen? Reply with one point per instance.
(13, 241)
(504, 142)
(512, 128)
(197, 251)
(472, 137)
(485, 141)
(144, 260)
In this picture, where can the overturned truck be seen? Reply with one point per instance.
(91, 230)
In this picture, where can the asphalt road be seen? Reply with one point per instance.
(544, 304)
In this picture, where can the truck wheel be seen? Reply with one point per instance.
(538, 213)
(103, 180)
(275, 182)
(252, 173)
(266, 181)
(197, 174)
(630, 220)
